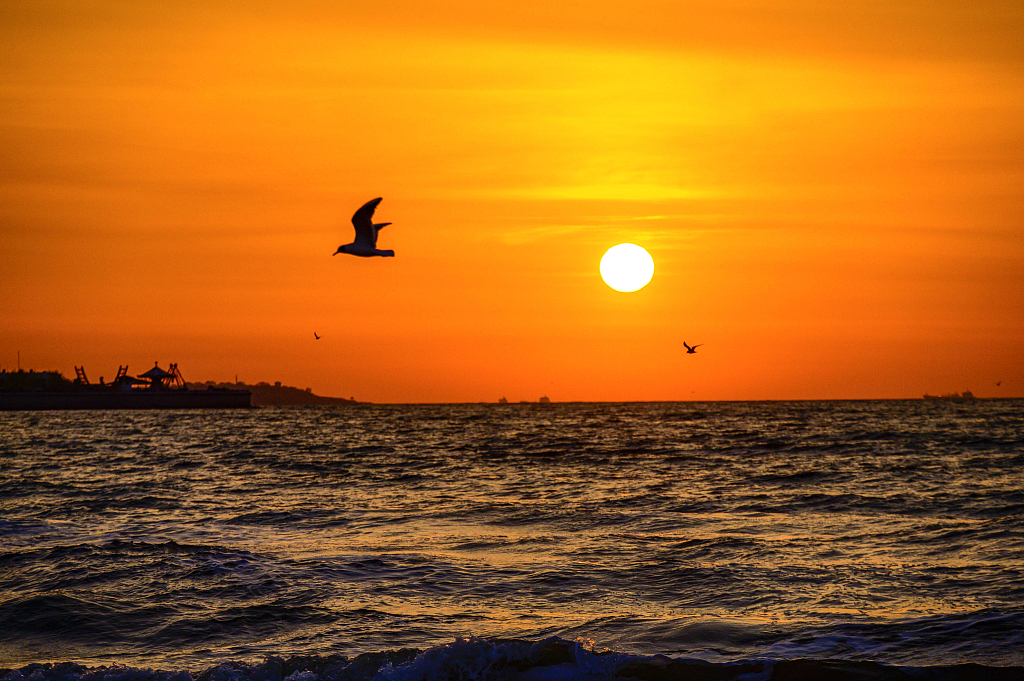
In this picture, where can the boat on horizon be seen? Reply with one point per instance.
(965, 395)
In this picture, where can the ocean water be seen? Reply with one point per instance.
(773, 540)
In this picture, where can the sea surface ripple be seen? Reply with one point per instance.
(886, 534)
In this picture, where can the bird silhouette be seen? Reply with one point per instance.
(365, 245)
(998, 383)
(316, 336)
(692, 350)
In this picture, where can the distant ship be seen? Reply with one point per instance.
(155, 389)
(543, 400)
(965, 395)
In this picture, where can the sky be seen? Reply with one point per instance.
(833, 195)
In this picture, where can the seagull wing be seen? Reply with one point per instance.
(697, 345)
(366, 233)
(686, 346)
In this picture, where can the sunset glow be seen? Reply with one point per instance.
(833, 193)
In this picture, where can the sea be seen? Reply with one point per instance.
(752, 541)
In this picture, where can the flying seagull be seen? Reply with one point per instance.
(693, 350)
(316, 336)
(365, 245)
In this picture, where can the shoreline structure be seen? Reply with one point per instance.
(32, 390)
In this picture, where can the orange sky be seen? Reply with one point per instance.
(833, 194)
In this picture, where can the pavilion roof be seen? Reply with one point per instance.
(155, 373)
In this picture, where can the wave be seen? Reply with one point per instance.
(487, 659)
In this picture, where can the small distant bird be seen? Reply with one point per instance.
(365, 245)
(998, 383)
(693, 350)
(316, 336)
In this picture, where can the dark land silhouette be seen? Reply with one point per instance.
(155, 389)
(266, 395)
(154, 383)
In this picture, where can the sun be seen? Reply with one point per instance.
(627, 267)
